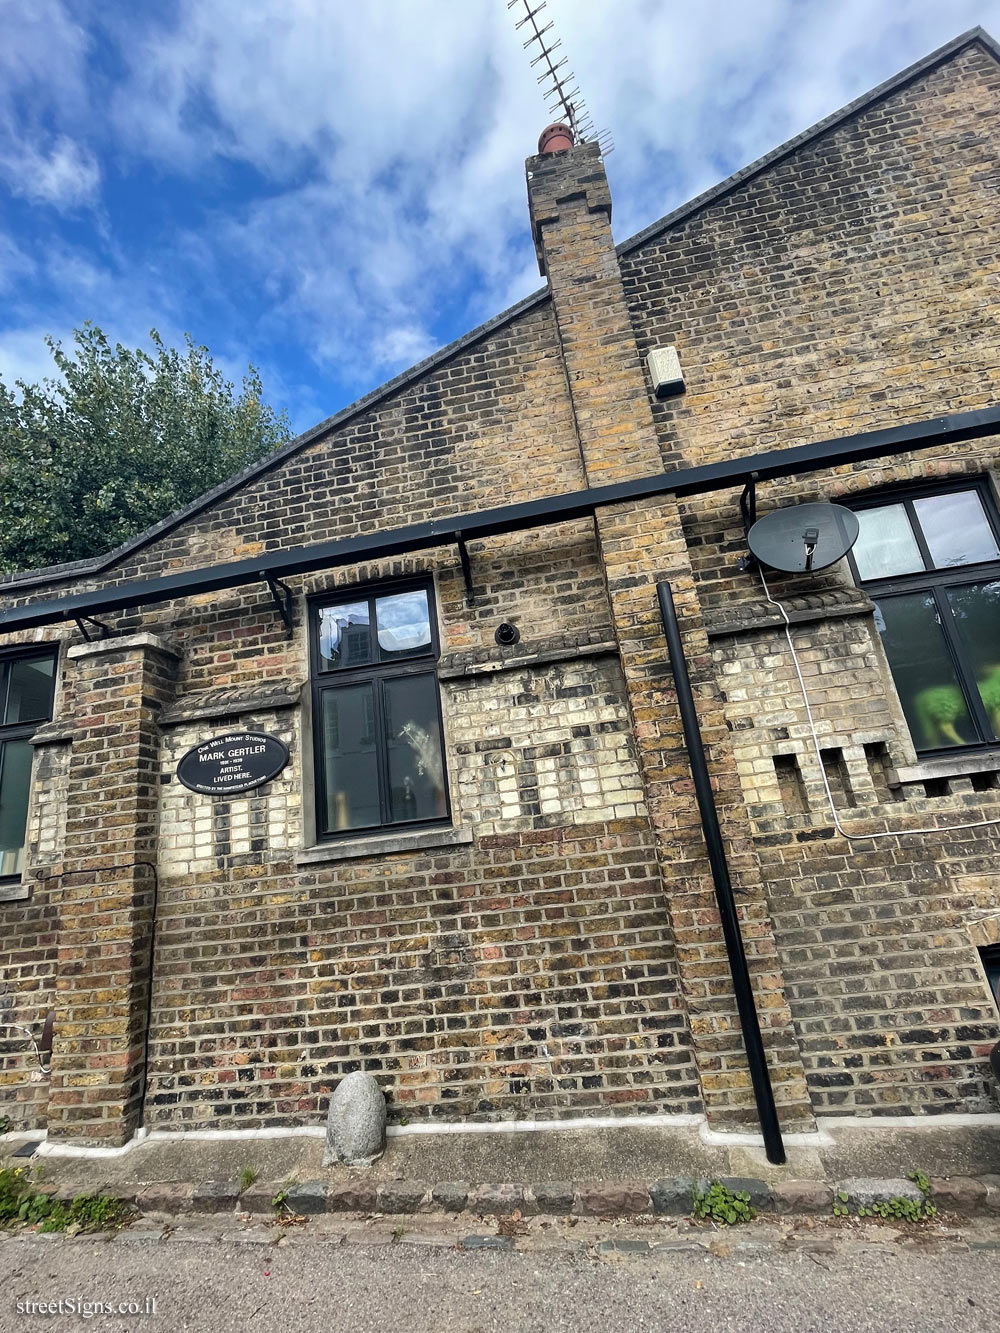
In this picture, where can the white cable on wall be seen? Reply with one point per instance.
(16, 1027)
(854, 837)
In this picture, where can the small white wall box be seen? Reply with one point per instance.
(665, 371)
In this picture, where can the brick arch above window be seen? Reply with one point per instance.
(985, 934)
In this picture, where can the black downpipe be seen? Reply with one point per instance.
(752, 1041)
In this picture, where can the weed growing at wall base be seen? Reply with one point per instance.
(719, 1204)
(21, 1205)
(897, 1209)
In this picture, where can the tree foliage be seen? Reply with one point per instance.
(116, 442)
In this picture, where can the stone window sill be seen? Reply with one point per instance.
(14, 893)
(949, 766)
(382, 844)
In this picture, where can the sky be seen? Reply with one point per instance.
(334, 190)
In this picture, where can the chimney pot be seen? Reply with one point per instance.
(555, 139)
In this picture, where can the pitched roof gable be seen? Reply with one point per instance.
(864, 103)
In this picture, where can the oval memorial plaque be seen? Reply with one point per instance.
(232, 763)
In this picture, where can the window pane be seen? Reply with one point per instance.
(956, 529)
(349, 758)
(404, 624)
(928, 687)
(976, 609)
(29, 690)
(15, 780)
(344, 636)
(416, 770)
(991, 961)
(886, 544)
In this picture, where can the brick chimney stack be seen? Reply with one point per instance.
(642, 542)
(563, 179)
(570, 206)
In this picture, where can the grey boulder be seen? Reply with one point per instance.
(355, 1125)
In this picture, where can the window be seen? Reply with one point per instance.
(930, 559)
(991, 964)
(26, 685)
(376, 711)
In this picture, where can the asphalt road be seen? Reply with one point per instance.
(356, 1288)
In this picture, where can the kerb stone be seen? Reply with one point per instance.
(307, 1198)
(624, 1200)
(401, 1196)
(864, 1191)
(802, 1196)
(451, 1195)
(672, 1195)
(961, 1194)
(351, 1196)
(215, 1196)
(553, 1196)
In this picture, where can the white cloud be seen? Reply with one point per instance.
(384, 147)
(394, 133)
(43, 97)
(64, 173)
(692, 93)
(404, 346)
(389, 137)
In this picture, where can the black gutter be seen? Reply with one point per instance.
(752, 1040)
(839, 452)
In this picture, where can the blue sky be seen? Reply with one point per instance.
(334, 190)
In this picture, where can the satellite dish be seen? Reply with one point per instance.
(802, 539)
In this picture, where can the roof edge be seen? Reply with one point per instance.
(871, 98)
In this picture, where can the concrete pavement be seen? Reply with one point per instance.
(785, 1277)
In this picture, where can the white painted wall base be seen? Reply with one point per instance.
(822, 1138)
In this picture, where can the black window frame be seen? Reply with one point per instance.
(937, 582)
(21, 731)
(422, 663)
(990, 959)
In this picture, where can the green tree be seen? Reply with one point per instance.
(116, 442)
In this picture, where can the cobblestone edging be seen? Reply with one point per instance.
(670, 1196)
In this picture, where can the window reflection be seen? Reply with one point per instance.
(27, 685)
(956, 529)
(886, 544)
(351, 763)
(403, 624)
(416, 769)
(378, 727)
(976, 610)
(941, 631)
(344, 635)
(15, 784)
(929, 689)
(29, 689)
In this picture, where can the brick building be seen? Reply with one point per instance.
(481, 875)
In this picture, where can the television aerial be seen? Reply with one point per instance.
(804, 538)
(562, 95)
